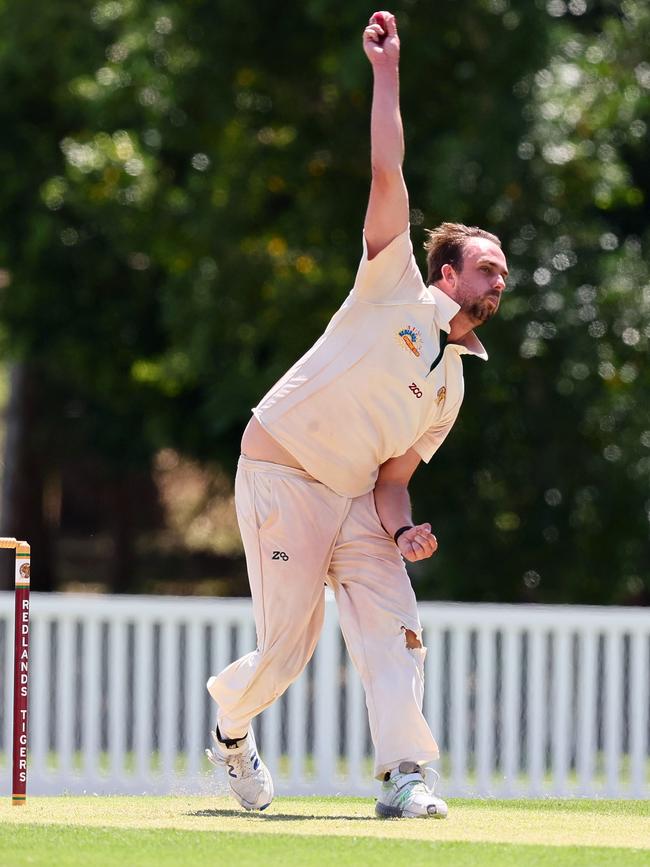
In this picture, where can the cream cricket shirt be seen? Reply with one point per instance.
(366, 391)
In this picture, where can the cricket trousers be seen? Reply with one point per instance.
(299, 535)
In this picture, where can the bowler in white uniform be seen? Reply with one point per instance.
(322, 484)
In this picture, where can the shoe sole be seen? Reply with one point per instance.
(384, 811)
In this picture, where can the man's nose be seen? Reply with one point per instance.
(499, 283)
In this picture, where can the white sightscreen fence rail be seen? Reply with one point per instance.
(524, 700)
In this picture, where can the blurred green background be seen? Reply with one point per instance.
(183, 186)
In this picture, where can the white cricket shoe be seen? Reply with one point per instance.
(405, 794)
(249, 778)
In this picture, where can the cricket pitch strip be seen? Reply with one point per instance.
(622, 824)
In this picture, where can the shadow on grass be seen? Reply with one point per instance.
(278, 817)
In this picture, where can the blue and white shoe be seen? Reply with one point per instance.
(406, 795)
(249, 778)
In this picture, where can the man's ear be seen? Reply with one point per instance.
(448, 274)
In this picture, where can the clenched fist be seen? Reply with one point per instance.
(380, 39)
(418, 543)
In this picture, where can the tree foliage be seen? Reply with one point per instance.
(184, 192)
(563, 480)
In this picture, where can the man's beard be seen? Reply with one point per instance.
(479, 310)
(482, 309)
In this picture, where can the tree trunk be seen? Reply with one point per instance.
(23, 482)
(123, 567)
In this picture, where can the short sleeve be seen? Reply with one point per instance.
(392, 273)
(433, 438)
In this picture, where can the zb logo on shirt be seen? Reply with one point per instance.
(417, 391)
(279, 555)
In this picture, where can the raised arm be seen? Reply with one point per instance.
(388, 209)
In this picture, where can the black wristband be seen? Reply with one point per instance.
(401, 530)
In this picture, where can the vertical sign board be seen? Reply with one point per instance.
(21, 672)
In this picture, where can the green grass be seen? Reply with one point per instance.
(205, 832)
(101, 847)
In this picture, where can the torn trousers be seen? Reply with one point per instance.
(299, 535)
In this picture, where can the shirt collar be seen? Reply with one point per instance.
(446, 309)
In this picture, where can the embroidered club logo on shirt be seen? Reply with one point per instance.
(441, 395)
(410, 337)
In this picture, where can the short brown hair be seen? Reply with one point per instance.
(446, 244)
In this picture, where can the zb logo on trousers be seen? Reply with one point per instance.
(279, 555)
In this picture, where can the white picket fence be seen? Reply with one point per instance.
(526, 701)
